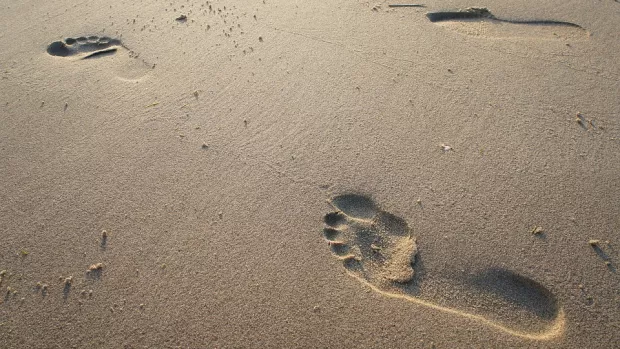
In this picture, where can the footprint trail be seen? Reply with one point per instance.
(379, 249)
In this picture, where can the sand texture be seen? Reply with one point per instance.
(309, 174)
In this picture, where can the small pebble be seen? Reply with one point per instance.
(97, 266)
(446, 148)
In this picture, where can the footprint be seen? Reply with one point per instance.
(84, 47)
(379, 249)
(126, 66)
(375, 245)
(481, 22)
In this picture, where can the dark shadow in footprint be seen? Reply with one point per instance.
(558, 29)
(104, 242)
(355, 205)
(519, 291)
(102, 53)
(481, 12)
(84, 47)
(66, 290)
(379, 249)
(94, 274)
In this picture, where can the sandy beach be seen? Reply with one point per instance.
(307, 174)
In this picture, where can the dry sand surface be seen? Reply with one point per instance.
(309, 174)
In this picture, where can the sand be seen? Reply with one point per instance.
(302, 174)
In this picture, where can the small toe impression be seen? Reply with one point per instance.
(340, 249)
(332, 235)
(355, 206)
(336, 242)
(335, 219)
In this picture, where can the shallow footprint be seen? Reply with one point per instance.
(125, 65)
(481, 22)
(379, 249)
(84, 47)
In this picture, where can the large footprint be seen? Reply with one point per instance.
(379, 249)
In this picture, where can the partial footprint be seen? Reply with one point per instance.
(127, 66)
(481, 22)
(379, 249)
(375, 245)
(84, 47)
